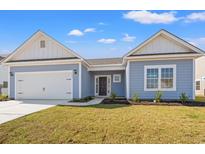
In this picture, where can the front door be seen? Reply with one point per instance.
(102, 86)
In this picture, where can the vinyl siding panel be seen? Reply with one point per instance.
(46, 68)
(200, 75)
(33, 51)
(86, 82)
(162, 44)
(184, 79)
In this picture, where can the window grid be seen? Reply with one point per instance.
(152, 78)
(198, 85)
(167, 78)
(117, 78)
(160, 77)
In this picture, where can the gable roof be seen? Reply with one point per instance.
(37, 33)
(2, 57)
(105, 61)
(169, 35)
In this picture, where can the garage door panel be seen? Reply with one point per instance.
(50, 85)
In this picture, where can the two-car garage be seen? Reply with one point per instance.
(44, 85)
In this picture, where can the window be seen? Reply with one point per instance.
(167, 77)
(116, 78)
(152, 78)
(42, 44)
(160, 77)
(198, 85)
(5, 84)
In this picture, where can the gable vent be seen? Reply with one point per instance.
(42, 44)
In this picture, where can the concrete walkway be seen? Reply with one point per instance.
(10, 110)
(13, 109)
(95, 101)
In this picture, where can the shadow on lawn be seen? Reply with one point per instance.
(109, 106)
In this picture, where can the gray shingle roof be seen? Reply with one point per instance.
(2, 57)
(104, 61)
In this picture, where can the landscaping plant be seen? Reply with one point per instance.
(85, 99)
(183, 97)
(136, 98)
(3, 97)
(113, 95)
(158, 96)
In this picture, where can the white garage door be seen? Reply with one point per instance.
(44, 85)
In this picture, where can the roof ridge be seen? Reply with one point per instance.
(104, 58)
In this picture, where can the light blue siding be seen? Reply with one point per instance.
(46, 68)
(86, 82)
(118, 88)
(184, 79)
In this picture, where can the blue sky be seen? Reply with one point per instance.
(97, 34)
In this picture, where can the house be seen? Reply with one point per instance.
(43, 68)
(3, 77)
(200, 76)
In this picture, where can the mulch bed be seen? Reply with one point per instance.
(169, 103)
(116, 101)
(150, 102)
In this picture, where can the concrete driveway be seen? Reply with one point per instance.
(13, 109)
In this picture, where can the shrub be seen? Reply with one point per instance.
(158, 96)
(136, 98)
(183, 97)
(3, 97)
(85, 99)
(113, 95)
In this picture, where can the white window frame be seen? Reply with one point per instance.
(109, 85)
(159, 67)
(199, 84)
(114, 75)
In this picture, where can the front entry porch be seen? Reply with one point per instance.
(102, 85)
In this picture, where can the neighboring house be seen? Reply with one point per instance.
(3, 77)
(200, 76)
(42, 68)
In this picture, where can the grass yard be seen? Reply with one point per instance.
(108, 124)
(200, 98)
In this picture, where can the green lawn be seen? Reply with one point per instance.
(108, 124)
(200, 98)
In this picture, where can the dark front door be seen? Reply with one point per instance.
(102, 86)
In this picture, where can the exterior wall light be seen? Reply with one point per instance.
(75, 71)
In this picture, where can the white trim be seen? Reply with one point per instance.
(194, 84)
(119, 75)
(128, 80)
(108, 68)
(43, 72)
(108, 89)
(168, 35)
(80, 80)
(161, 57)
(159, 67)
(39, 32)
(49, 62)
(8, 81)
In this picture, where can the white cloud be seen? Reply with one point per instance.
(196, 16)
(106, 41)
(200, 42)
(147, 17)
(102, 23)
(87, 30)
(128, 38)
(75, 32)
